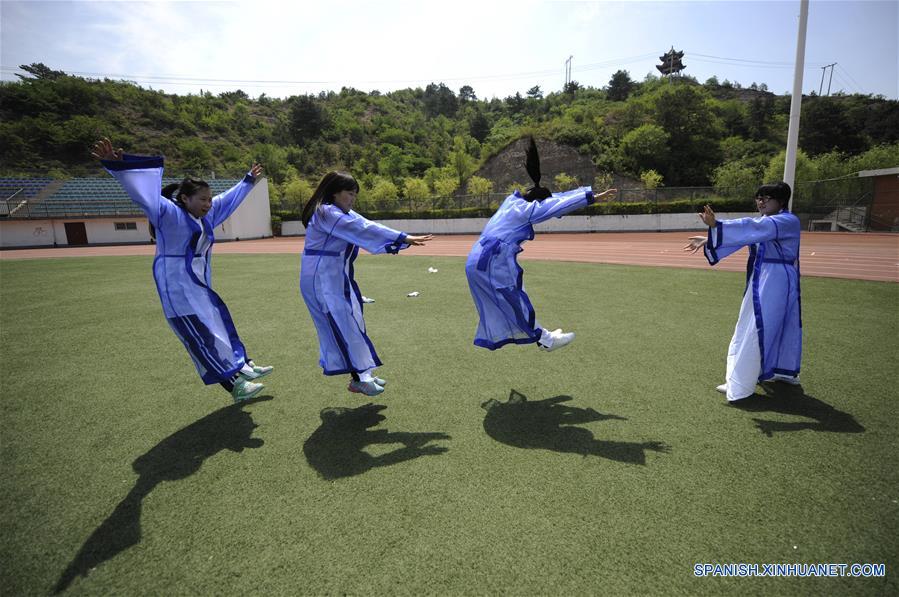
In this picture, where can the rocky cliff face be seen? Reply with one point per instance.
(507, 166)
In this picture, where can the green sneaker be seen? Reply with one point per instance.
(244, 389)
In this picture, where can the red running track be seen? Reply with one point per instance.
(849, 255)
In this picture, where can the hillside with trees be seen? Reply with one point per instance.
(432, 141)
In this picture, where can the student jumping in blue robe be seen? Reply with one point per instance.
(185, 216)
(334, 233)
(767, 341)
(495, 279)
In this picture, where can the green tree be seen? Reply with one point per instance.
(572, 87)
(479, 186)
(733, 179)
(273, 158)
(564, 182)
(439, 100)
(479, 126)
(805, 169)
(382, 189)
(620, 86)
(686, 113)
(535, 92)
(296, 193)
(602, 181)
(415, 188)
(306, 119)
(876, 158)
(194, 156)
(651, 179)
(445, 187)
(646, 148)
(516, 186)
(395, 162)
(462, 164)
(40, 71)
(825, 127)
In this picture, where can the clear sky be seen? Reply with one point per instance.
(497, 47)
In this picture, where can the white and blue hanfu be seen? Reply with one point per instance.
(329, 289)
(181, 268)
(494, 276)
(767, 341)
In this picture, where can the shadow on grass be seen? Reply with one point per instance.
(547, 425)
(176, 457)
(792, 400)
(336, 448)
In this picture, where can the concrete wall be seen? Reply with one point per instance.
(44, 233)
(251, 220)
(26, 233)
(624, 223)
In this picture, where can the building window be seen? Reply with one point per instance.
(126, 225)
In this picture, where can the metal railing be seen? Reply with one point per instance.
(70, 208)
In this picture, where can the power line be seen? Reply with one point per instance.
(190, 80)
(846, 72)
(759, 62)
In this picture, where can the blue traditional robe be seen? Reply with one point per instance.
(330, 291)
(494, 276)
(181, 268)
(771, 314)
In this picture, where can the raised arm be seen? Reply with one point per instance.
(562, 203)
(140, 176)
(728, 236)
(223, 205)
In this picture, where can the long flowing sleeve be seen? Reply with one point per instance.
(371, 236)
(223, 205)
(141, 177)
(560, 204)
(729, 236)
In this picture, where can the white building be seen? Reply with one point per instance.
(88, 211)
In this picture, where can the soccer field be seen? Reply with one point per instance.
(609, 467)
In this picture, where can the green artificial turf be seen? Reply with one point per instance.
(615, 468)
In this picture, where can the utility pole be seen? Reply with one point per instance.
(567, 73)
(823, 72)
(796, 103)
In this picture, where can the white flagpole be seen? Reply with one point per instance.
(796, 103)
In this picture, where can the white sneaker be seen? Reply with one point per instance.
(722, 388)
(560, 339)
(253, 371)
(793, 381)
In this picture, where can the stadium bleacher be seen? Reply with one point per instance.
(79, 197)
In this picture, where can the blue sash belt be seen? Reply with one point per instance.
(490, 247)
(322, 253)
(784, 261)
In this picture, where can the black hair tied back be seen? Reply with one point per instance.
(532, 164)
(188, 186)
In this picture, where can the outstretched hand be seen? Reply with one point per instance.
(696, 243)
(102, 150)
(708, 217)
(417, 241)
(606, 195)
(256, 170)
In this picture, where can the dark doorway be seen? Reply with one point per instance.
(76, 234)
